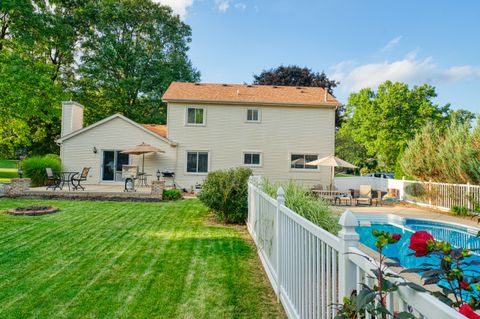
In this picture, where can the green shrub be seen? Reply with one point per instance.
(53, 157)
(34, 168)
(225, 192)
(459, 210)
(172, 194)
(303, 202)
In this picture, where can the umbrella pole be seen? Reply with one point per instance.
(332, 176)
(143, 163)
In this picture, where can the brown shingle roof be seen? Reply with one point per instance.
(157, 129)
(248, 94)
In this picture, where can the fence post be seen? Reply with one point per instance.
(402, 189)
(278, 226)
(249, 198)
(430, 192)
(347, 269)
(469, 197)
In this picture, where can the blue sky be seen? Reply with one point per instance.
(359, 43)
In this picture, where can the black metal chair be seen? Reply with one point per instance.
(83, 177)
(53, 179)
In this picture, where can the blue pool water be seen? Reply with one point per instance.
(457, 235)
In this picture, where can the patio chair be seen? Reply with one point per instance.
(365, 195)
(345, 198)
(83, 177)
(53, 179)
(377, 198)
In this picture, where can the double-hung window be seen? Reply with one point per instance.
(299, 161)
(195, 116)
(197, 162)
(252, 158)
(253, 115)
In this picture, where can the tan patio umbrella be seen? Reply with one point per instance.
(142, 149)
(332, 161)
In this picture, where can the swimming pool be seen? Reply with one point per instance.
(457, 235)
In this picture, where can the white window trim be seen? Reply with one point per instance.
(302, 169)
(204, 115)
(252, 152)
(259, 115)
(197, 173)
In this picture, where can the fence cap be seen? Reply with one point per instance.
(348, 219)
(280, 192)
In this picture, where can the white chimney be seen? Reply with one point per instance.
(72, 117)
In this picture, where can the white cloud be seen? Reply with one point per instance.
(222, 5)
(178, 6)
(391, 44)
(410, 70)
(240, 6)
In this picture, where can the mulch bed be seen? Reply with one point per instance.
(33, 210)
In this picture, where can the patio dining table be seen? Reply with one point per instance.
(331, 195)
(66, 178)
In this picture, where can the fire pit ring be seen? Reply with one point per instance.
(33, 210)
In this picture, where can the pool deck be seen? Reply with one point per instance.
(405, 211)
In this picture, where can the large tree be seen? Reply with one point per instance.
(136, 49)
(114, 56)
(293, 75)
(384, 121)
(29, 105)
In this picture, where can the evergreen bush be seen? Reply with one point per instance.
(225, 193)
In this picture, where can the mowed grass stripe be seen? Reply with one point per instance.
(69, 271)
(38, 270)
(105, 265)
(86, 283)
(44, 223)
(130, 260)
(40, 260)
(156, 251)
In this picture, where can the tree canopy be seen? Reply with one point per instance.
(112, 56)
(383, 122)
(136, 49)
(449, 155)
(294, 75)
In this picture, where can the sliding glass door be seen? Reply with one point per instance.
(112, 165)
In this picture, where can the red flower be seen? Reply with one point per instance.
(468, 312)
(422, 242)
(396, 237)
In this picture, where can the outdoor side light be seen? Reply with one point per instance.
(95, 150)
(158, 174)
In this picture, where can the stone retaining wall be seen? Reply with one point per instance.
(18, 186)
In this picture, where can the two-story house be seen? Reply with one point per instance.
(275, 130)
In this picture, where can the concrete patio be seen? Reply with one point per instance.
(405, 211)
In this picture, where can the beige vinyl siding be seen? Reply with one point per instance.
(227, 136)
(116, 134)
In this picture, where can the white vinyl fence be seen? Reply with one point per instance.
(431, 194)
(311, 269)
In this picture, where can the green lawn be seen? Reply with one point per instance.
(8, 163)
(128, 260)
(8, 170)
